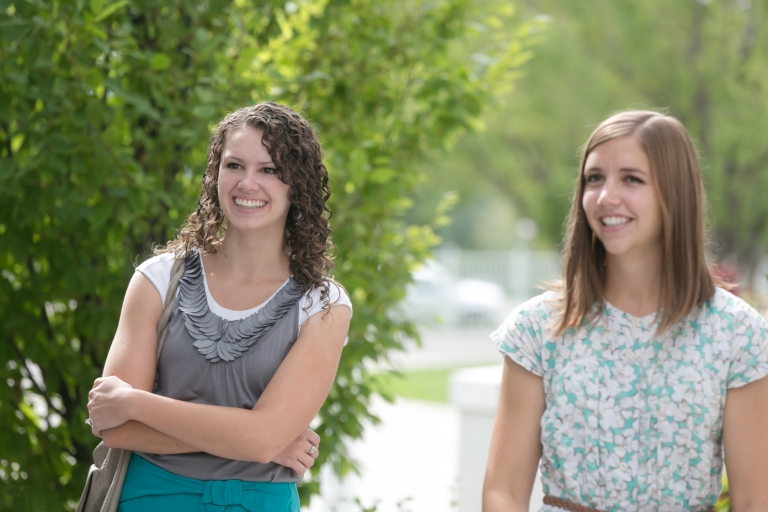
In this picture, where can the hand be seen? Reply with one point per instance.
(297, 455)
(107, 403)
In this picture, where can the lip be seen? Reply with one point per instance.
(246, 209)
(614, 228)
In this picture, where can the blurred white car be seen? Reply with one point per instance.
(436, 296)
(480, 301)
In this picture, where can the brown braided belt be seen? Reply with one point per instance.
(573, 507)
(567, 505)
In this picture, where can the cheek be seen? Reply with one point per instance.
(223, 183)
(650, 204)
(658, 220)
(588, 201)
(283, 191)
(588, 205)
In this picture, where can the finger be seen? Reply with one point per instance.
(313, 438)
(297, 467)
(306, 460)
(312, 453)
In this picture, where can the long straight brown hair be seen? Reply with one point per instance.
(686, 281)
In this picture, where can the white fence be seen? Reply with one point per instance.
(520, 271)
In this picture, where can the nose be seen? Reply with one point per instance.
(609, 193)
(251, 180)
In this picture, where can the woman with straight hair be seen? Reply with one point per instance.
(254, 338)
(626, 383)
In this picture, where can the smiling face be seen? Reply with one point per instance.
(251, 194)
(620, 199)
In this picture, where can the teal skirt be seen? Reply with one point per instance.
(149, 488)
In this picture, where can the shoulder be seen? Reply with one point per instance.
(541, 310)
(158, 270)
(735, 323)
(337, 294)
(732, 312)
(161, 261)
(522, 335)
(312, 301)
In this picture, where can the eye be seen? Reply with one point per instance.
(269, 170)
(634, 179)
(594, 178)
(233, 165)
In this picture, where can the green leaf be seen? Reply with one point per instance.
(159, 61)
(382, 175)
(108, 10)
(13, 30)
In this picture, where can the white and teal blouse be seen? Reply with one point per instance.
(633, 421)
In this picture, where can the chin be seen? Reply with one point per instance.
(614, 250)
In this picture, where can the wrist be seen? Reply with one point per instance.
(132, 403)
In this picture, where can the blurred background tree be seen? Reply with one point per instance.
(704, 61)
(105, 112)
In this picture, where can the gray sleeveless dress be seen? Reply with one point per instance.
(212, 361)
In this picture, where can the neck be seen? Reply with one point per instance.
(252, 255)
(633, 282)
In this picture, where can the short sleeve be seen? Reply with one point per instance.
(519, 337)
(158, 270)
(749, 347)
(312, 303)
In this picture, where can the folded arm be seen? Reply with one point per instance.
(138, 437)
(278, 420)
(132, 359)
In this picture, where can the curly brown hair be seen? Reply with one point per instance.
(298, 158)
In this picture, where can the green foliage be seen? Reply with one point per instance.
(704, 61)
(105, 111)
(723, 503)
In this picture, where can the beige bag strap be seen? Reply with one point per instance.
(177, 271)
(106, 477)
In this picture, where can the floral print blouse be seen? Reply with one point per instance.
(633, 421)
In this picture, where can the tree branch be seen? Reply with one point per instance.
(7, 130)
(42, 392)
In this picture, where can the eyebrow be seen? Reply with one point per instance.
(623, 169)
(233, 157)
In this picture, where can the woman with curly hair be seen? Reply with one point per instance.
(626, 385)
(254, 338)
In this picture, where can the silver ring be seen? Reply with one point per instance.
(88, 422)
(312, 450)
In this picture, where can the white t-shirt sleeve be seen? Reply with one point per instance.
(158, 270)
(312, 303)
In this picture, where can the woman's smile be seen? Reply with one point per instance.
(249, 203)
(614, 221)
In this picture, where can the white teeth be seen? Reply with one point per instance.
(614, 221)
(245, 203)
